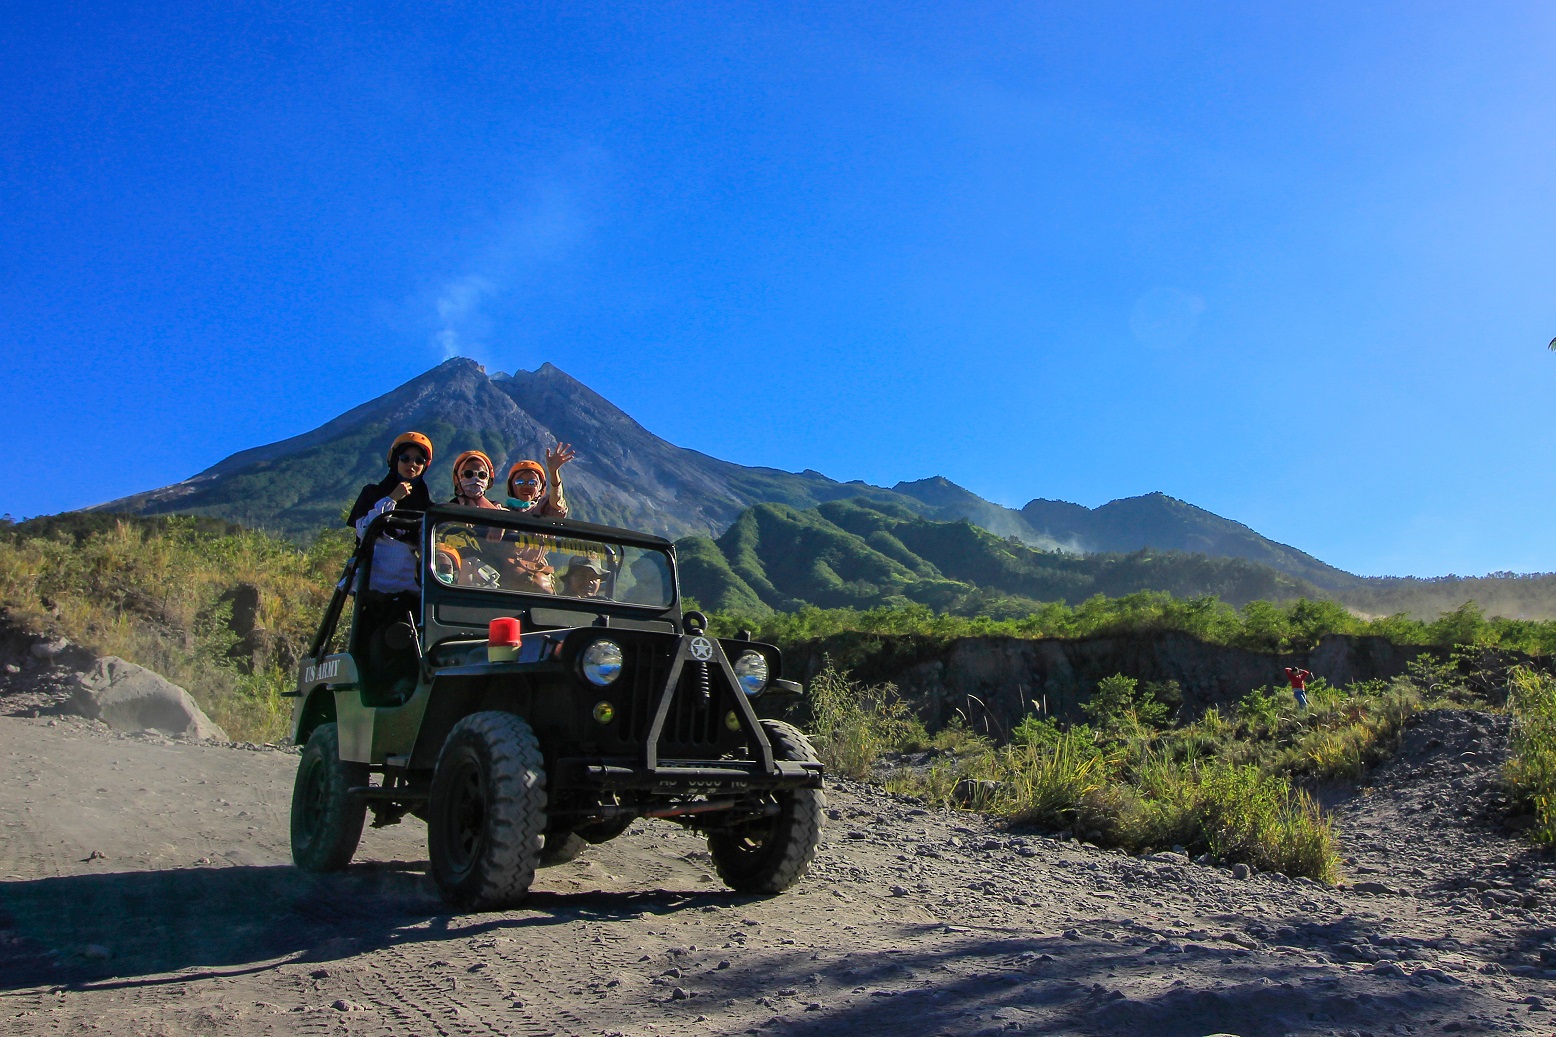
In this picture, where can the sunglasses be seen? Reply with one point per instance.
(526, 480)
(412, 459)
(475, 473)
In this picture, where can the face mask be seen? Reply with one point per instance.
(473, 487)
(521, 505)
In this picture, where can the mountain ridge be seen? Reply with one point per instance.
(626, 475)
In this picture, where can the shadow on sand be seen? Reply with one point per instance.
(239, 919)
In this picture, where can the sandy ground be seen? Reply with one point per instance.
(146, 889)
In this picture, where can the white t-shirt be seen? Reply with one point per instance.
(394, 561)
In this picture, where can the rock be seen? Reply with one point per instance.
(131, 699)
(343, 1005)
(60, 651)
(1387, 968)
(1168, 857)
(973, 792)
(244, 618)
(96, 952)
(1241, 871)
(1378, 889)
(1437, 975)
(47, 650)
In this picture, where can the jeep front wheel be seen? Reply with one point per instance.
(487, 811)
(771, 854)
(326, 818)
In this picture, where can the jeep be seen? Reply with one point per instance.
(525, 712)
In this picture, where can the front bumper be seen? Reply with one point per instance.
(683, 776)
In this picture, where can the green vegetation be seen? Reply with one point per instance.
(1531, 771)
(1230, 784)
(1259, 626)
(149, 589)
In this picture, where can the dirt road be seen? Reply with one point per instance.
(146, 889)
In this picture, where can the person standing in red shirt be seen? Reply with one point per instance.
(1299, 678)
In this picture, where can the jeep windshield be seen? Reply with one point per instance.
(505, 560)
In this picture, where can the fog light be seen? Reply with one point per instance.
(732, 721)
(604, 712)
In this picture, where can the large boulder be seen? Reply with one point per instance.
(132, 698)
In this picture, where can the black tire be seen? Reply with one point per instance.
(326, 819)
(562, 847)
(487, 812)
(771, 854)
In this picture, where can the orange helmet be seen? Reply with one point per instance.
(472, 455)
(448, 552)
(415, 439)
(533, 466)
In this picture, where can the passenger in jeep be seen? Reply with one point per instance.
(583, 578)
(393, 585)
(528, 569)
(403, 489)
(472, 477)
(537, 491)
(448, 565)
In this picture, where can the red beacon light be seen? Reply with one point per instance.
(502, 639)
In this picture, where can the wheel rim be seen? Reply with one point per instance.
(754, 836)
(466, 813)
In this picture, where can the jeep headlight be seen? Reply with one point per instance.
(601, 662)
(751, 669)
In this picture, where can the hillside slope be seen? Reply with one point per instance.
(863, 554)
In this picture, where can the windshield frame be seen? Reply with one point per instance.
(563, 528)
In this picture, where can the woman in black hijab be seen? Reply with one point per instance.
(403, 489)
(389, 609)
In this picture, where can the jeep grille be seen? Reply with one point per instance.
(692, 728)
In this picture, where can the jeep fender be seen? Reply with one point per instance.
(318, 708)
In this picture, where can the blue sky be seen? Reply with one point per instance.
(1295, 263)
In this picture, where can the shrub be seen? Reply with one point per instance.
(853, 725)
(1259, 711)
(1046, 784)
(1531, 770)
(1120, 709)
(1256, 818)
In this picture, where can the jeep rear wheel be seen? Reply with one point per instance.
(487, 811)
(771, 854)
(326, 818)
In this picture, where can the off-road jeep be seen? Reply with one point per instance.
(519, 751)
